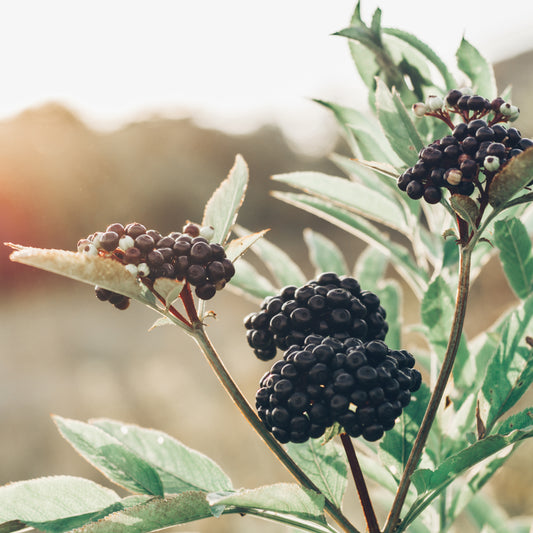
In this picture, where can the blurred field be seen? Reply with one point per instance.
(64, 352)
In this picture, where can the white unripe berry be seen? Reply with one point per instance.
(207, 232)
(419, 109)
(82, 244)
(468, 91)
(126, 242)
(89, 249)
(491, 163)
(515, 113)
(454, 177)
(143, 270)
(96, 239)
(132, 269)
(508, 110)
(434, 102)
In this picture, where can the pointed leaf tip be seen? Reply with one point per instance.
(222, 208)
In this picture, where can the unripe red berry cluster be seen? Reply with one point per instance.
(467, 159)
(186, 255)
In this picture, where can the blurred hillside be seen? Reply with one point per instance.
(64, 352)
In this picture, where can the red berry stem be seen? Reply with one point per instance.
(188, 302)
(172, 310)
(357, 473)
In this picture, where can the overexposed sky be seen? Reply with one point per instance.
(233, 63)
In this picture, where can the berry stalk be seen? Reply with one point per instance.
(246, 409)
(438, 392)
(357, 473)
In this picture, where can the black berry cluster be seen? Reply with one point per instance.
(362, 386)
(467, 159)
(330, 306)
(186, 255)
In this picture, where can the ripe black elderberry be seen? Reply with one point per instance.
(149, 255)
(363, 386)
(478, 147)
(330, 305)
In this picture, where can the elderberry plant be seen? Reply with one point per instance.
(433, 426)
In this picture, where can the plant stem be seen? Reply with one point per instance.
(357, 473)
(440, 385)
(201, 338)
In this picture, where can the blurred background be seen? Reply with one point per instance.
(132, 110)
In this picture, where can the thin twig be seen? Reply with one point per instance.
(436, 397)
(357, 473)
(201, 338)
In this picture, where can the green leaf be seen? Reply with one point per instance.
(478, 69)
(284, 270)
(430, 484)
(324, 464)
(514, 176)
(424, 49)
(390, 294)
(53, 498)
(179, 467)
(324, 254)
(370, 267)
(400, 257)
(427, 480)
(93, 270)
(510, 372)
(397, 124)
(465, 207)
(437, 311)
(286, 498)
(514, 243)
(521, 420)
(222, 208)
(110, 456)
(470, 366)
(153, 515)
(395, 447)
(249, 282)
(237, 247)
(348, 195)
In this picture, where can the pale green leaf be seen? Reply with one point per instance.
(478, 69)
(402, 260)
(514, 243)
(510, 371)
(94, 270)
(53, 498)
(324, 254)
(222, 208)
(281, 498)
(397, 124)
(249, 282)
(324, 464)
(179, 467)
(284, 270)
(348, 195)
(110, 456)
(237, 247)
